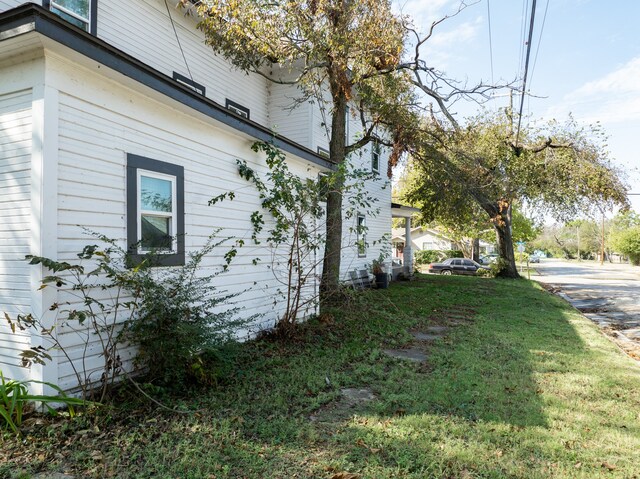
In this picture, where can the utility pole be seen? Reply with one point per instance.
(602, 244)
(578, 234)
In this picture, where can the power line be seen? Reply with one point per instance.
(526, 67)
(175, 32)
(525, 8)
(535, 58)
(490, 42)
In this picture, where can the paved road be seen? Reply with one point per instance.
(609, 294)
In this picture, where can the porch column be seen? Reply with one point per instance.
(408, 250)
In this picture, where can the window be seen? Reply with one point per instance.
(323, 152)
(190, 83)
(361, 236)
(375, 157)
(82, 13)
(429, 245)
(238, 109)
(347, 116)
(155, 210)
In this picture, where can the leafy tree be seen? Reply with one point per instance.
(318, 45)
(354, 50)
(625, 236)
(561, 169)
(460, 218)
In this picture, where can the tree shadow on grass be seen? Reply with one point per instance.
(487, 368)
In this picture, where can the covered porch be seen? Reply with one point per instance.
(406, 268)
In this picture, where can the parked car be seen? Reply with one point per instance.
(534, 259)
(456, 266)
(488, 259)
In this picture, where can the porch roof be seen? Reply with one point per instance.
(402, 211)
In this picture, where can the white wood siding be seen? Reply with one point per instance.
(294, 123)
(8, 4)
(142, 28)
(15, 218)
(99, 123)
(378, 223)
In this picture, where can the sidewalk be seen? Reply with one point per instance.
(608, 295)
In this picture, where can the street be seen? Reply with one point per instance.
(608, 294)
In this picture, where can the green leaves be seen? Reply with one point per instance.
(15, 399)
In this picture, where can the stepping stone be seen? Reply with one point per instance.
(413, 354)
(425, 336)
(437, 329)
(355, 395)
(52, 475)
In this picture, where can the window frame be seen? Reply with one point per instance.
(361, 236)
(238, 109)
(173, 215)
(189, 83)
(138, 166)
(376, 152)
(92, 21)
(323, 152)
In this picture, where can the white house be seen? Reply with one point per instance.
(421, 239)
(102, 100)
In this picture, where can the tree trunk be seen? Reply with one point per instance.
(505, 244)
(475, 249)
(333, 246)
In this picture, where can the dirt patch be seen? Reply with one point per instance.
(351, 401)
(425, 337)
(415, 355)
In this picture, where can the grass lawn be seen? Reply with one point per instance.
(521, 386)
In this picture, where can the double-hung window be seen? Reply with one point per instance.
(375, 157)
(82, 13)
(361, 235)
(155, 210)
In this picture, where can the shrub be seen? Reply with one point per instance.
(453, 253)
(627, 242)
(170, 314)
(427, 256)
(180, 315)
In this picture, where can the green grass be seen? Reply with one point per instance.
(522, 387)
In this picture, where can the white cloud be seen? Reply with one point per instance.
(614, 98)
(424, 13)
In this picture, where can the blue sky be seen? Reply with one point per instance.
(587, 64)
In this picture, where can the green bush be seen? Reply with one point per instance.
(180, 317)
(453, 253)
(172, 315)
(627, 242)
(427, 256)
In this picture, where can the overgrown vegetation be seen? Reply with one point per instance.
(505, 393)
(106, 304)
(432, 256)
(16, 402)
(291, 223)
(180, 318)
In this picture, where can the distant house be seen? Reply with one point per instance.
(421, 239)
(102, 102)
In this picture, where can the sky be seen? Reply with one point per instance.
(585, 60)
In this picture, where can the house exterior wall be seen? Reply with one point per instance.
(377, 216)
(8, 4)
(74, 176)
(99, 123)
(15, 218)
(420, 237)
(288, 118)
(148, 35)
